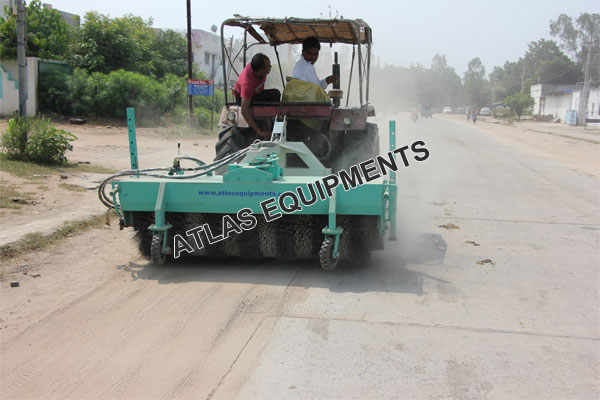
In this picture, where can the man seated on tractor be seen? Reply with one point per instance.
(305, 67)
(250, 87)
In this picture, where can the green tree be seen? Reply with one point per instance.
(47, 34)
(579, 38)
(476, 86)
(447, 82)
(105, 44)
(506, 80)
(518, 102)
(544, 62)
(170, 53)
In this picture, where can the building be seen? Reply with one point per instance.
(561, 101)
(70, 19)
(206, 53)
(7, 3)
(9, 86)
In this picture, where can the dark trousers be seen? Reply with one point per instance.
(270, 95)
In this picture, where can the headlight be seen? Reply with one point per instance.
(347, 120)
(231, 116)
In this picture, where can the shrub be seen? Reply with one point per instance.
(501, 112)
(108, 95)
(14, 139)
(203, 116)
(37, 140)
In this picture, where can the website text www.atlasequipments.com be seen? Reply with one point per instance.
(247, 193)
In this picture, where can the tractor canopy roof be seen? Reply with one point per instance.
(295, 30)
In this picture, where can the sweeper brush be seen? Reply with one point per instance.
(318, 189)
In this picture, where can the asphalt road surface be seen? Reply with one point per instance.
(504, 305)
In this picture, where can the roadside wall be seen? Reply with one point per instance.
(9, 86)
(558, 105)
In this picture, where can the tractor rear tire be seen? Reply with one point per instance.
(233, 139)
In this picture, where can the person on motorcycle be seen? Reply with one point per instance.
(414, 114)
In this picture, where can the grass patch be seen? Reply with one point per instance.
(27, 169)
(73, 188)
(36, 241)
(8, 195)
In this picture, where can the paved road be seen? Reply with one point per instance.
(423, 320)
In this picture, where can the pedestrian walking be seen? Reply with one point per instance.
(474, 115)
(468, 113)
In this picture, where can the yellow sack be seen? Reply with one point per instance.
(298, 91)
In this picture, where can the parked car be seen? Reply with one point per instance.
(447, 110)
(461, 110)
(485, 111)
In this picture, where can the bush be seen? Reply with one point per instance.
(53, 93)
(203, 116)
(501, 113)
(37, 140)
(108, 95)
(14, 139)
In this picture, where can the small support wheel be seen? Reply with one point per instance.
(328, 263)
(156, 255)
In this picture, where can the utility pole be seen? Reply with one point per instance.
(21, 59)
(585, 92)
(190, 59)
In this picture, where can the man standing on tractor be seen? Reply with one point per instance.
(305, 67)
(250, 87)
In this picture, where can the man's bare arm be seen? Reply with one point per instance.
(247, 113)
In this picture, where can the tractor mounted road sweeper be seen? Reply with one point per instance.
(318, 189)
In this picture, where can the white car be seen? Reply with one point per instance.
(447, 110)
(485, 111)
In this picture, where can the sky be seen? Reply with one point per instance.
(404, 32)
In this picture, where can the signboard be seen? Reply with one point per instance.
(199, 87)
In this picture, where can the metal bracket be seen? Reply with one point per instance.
(159, 217)
(133, 153)
(332, 229)
(113, 194)
(280, 130)
(392, 189)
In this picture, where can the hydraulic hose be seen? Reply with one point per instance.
(206, 169)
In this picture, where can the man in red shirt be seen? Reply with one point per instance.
(250, 87)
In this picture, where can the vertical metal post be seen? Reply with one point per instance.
(190, 58)
(212, 108)
(369, 40)
(133, 154)
(279, 64)
(225, 83)
(585, 92)
(393, 187)
(21, 59)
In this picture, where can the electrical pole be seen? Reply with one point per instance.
(190, 59)
(21, 59)
(585, 92)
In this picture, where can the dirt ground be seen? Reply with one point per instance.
(78, 268)
(44, 201)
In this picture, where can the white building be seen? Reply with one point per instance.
(560, 100)
(9, 86)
